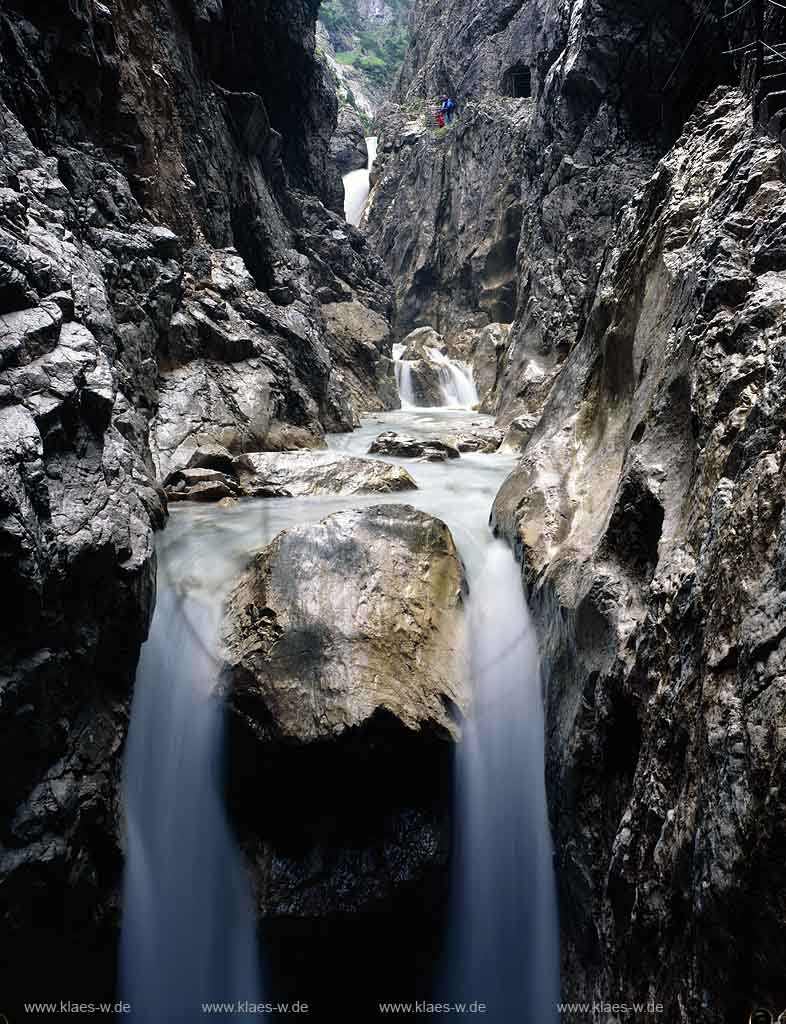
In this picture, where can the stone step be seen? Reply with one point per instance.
(770, 105)
(770, 83)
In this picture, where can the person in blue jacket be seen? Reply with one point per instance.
(448, 110)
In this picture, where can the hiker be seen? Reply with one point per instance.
(448, 109)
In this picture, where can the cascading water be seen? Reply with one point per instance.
(455, 379)
(403, 372)
(503, 940)
(357, 185)
(188, 926)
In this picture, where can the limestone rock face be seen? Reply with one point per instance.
(345, 671)
(348, 145)
(166, 244)
(449, 260)
(304, 472)
(359, 340)
(562, 116)
(649, 510)
(486, 352)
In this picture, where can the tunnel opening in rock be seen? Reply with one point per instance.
(517, 82)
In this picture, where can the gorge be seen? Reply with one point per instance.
(395, 568)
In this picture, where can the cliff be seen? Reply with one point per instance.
(364, 43)
(602, 196)
(563, 111)
(648, 510)
(167, 243)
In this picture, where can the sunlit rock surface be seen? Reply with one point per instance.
(648, 508)
(298, 473)
(346, 674)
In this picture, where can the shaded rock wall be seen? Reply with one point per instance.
(649, 513)
(166, 243)
(516, 202)
(644, 372)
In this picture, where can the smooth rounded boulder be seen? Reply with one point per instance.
(345, 675)
(335, 622)
(404, 446)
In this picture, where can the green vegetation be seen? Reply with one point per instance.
(377, 51)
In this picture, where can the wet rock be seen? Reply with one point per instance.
(518, 434)
(417, 343)
(305, 472)
(357, 620)
(315, 581)
(200, 485)
(348, 145)
(420, 380)
(648, 507)
(359, 340)
(487, 349)
(478, 439)
(432, 449)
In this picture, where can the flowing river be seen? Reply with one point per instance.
(188, 927)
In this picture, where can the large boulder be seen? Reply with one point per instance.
(419, 382)
(212, 474)
(348, 145)
(484, 439)
(432, 449)
(305, 472)
(336, 625)
(418, 342)
(344, 670)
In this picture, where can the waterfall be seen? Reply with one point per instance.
(189, 924)
(455, 380)
(357, 185)
(403, 372)
(503, 946)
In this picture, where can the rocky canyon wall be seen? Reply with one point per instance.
(564, 109)
(172, 275)
(640, 216)
(648, 510)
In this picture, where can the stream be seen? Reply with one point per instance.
(189, 927)
(189, 922)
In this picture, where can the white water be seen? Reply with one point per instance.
(188, 924)
(406, 390)
(357, 185)
(188, 932)
(455, 381)
(503, 933)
